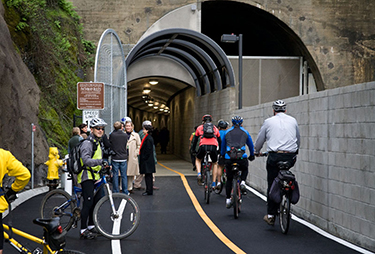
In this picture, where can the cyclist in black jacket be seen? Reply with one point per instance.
(233, 148)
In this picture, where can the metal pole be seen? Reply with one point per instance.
(32, 155)
(240, 72)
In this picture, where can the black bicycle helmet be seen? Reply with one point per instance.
(222, 124)
(237, 120)
(279, 106)
(207, 118)
(95, 122)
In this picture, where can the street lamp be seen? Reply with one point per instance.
(232, 38)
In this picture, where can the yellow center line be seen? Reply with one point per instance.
(204, 216)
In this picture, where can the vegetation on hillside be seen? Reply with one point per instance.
(49, 38)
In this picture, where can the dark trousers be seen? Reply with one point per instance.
(149, 183)
(272, 172)
(89, 202)
(244, 163)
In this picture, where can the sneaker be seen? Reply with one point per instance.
(269, 220)
(228, 203)
(87, 234)
(199, 179)
(94, 230)
(243, 186)
(218, 185)
(213, 186)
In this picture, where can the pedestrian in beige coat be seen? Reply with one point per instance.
(133, 145)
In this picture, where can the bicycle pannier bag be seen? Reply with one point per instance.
(275, 191)
(235, 153)
(208, 130)
(295, 194)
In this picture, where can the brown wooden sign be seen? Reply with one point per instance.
(90, 95)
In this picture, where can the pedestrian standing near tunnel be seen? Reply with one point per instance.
(146, 159)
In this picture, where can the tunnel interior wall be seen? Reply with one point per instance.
(335, 163)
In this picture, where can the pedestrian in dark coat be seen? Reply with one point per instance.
(147, 161)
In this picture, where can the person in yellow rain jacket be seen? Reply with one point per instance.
(11, 166)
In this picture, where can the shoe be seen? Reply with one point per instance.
(155, 188)
(131, 192)
(269, 220)
(213, 186)
(228, 203)
(146, 194)
(87, 234)
(94, 230)
(199, 179)
(243, 186)
(218, 185)
(138, 189)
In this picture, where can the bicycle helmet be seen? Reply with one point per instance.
(95, 122)
(237, 120)
(222, 124)
(207, 118)
(279, 106)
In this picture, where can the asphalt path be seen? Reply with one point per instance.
(172, 222)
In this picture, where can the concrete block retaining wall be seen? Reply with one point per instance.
(335, 167)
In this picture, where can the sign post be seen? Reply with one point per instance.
(90, 98)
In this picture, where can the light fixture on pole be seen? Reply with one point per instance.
(153, 82)
(232, 38)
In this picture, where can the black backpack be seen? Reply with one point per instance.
(73, 163)
(208, 130)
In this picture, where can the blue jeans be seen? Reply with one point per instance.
(122, 166)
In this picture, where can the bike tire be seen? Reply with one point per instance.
(105, 222)
(284, 215)
(235, 199)
(207, 186)
(70, 252)
(54, 199)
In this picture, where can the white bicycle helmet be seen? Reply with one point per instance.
(279, 106)
(95, 122)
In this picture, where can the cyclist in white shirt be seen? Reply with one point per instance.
(281, 133)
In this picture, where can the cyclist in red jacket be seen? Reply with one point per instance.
(210, 140)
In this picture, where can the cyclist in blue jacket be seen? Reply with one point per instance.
(233, 148)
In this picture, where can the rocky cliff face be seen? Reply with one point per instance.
(19, 103)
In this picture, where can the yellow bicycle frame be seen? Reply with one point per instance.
(19, 246)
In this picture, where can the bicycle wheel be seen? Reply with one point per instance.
(207, 186)
(70, 252)
(284, 216)
(58, 203)
(120, 225)
(235, 198)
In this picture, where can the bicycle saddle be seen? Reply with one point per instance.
(283, 165)
(49, 224)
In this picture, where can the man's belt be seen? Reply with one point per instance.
(281, 152)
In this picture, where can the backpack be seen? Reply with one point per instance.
(208, 130)
(73, 163)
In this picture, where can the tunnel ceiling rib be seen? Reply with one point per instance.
(195, 49)
(186, 66)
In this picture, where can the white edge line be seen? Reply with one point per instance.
(315, 228)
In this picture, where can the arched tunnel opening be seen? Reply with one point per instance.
(195, 63)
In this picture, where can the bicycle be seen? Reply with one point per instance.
(53, 241)
(286, 187)
(206, 177)
(111, 223)
(236, 194)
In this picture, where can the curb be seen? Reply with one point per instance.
(25, 195)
